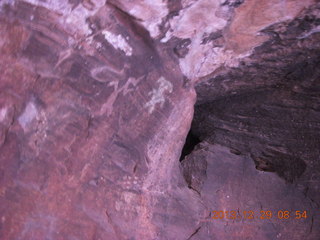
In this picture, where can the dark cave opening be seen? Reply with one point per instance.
(191, 141)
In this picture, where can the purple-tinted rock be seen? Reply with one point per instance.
(97, 98)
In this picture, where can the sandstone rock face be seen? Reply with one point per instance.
(233, 184)
(97, 98)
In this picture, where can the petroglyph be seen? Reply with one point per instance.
(157, 95)
(125, 89)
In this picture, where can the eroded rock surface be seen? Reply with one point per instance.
(97, 98)
(233, 185)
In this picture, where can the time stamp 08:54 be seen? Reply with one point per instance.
(236, 214)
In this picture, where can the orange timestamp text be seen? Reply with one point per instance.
(262, 214)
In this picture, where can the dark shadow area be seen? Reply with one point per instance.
(191, 141)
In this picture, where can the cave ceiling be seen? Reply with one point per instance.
(164, 119)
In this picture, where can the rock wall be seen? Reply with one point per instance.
(97, 99)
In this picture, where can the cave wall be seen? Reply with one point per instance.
(97, 99)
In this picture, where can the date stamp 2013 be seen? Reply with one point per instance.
(260, 215)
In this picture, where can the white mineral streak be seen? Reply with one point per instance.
(199, 18)
(194, 21)
(118, 42)
(77, 18)
(151, 12)
(74, 18)
(28, 115)
(157, 95)
(55, 5)
(212, 58)
(241, 30)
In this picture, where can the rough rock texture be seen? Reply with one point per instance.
(232, 184)
(271, 112)
(97, 98)
(82, 156)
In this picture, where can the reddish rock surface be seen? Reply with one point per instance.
(97, 99)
